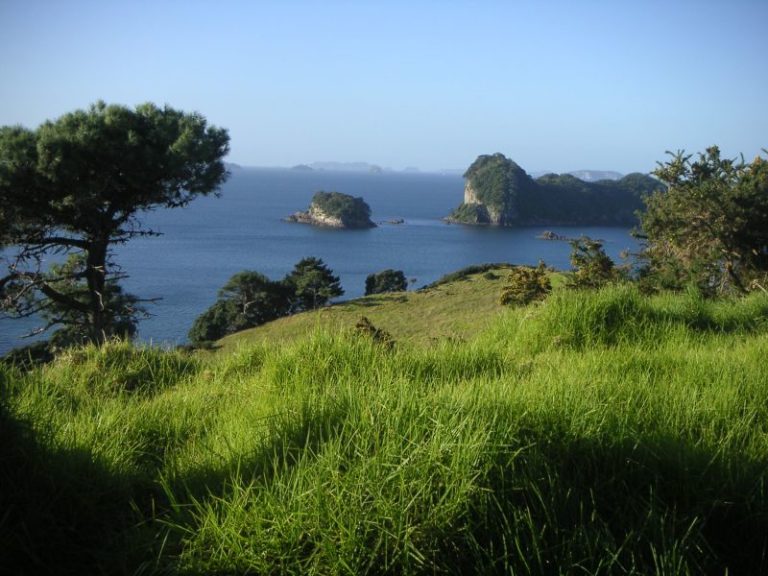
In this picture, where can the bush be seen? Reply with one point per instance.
(365, 328)
(248, 299)
(385, 281)
(312, 284)
(593, 268)
(525, 285)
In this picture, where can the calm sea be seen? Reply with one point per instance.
(207, 242)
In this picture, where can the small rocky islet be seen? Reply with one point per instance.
(498, 192)
(335, 210)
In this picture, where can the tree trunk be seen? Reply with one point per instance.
(96, 273)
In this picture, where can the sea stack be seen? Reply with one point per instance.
(335, 210)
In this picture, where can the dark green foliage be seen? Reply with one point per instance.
(564, 199)
(498, 182)
(213, 324)
(507, 196)
(77, 184)
(385, 281)
(470, 214)
(313, 284)
(351, 210)
(123, 309)
(256, 299)
(28, 357)
(593, 268)
(248, 299)
(710, 227)
(525, 285)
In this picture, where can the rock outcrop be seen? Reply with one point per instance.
(493, 184)
(335, 210)
(498, 192)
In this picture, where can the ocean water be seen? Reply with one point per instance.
(205, 243)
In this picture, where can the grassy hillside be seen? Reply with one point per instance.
(457, 307)
(598, 433)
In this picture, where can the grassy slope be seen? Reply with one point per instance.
(456, 310)
(599, 433)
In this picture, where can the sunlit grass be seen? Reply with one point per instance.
(596, 433)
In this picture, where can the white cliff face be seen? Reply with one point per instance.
(494, 214)
(320, 218)
(470, 196)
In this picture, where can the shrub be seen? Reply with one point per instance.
(385, 281)
(525, 285)
(365, 327)
(593, 268)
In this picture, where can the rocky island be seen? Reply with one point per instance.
(498, 192)
(335, 210)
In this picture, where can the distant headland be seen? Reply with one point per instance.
(498, 192)
(335, 210)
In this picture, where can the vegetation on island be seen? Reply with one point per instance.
(498, 191)
(337, 210)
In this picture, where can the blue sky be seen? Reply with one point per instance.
(554, 85)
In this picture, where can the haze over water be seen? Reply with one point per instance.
(203, 245)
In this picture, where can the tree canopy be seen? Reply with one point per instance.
(77, 185)
(710, 227)
(313, 284)
(386, 281)
(250, 299)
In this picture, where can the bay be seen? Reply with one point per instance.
(205, 243)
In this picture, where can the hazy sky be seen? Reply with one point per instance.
(554, 85)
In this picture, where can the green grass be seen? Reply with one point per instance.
(597, 433)
(456, 308)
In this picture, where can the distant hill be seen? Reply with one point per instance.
(596, 175)
(500, 193)
(346, 167)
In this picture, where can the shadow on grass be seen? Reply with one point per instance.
(377, 300)
(547, 503)
(290, 442)
(62, 513)
(575, 505)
